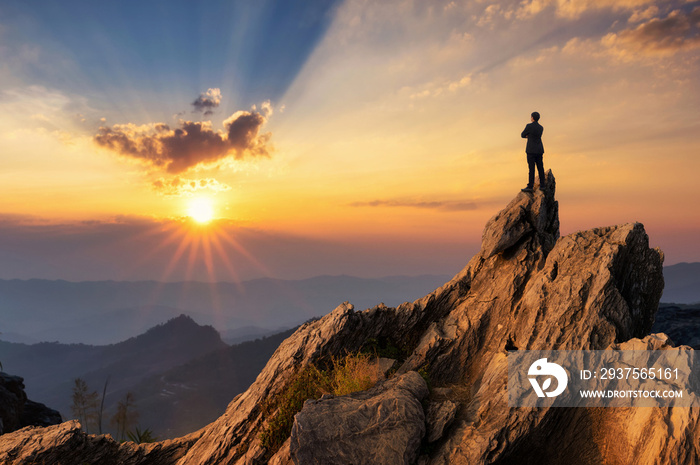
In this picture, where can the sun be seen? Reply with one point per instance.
(201, 210)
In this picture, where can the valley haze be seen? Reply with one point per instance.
(106, 312)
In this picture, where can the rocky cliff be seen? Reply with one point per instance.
(526, 289)
(16, 411)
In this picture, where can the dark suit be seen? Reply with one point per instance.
(535, 150)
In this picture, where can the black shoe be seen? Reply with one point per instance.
(528, 190)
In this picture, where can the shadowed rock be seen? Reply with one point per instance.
(526, 289)
(16, 411)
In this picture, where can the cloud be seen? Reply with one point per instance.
(179, 186)
(243, 128)
(676, 32)
(190, 145)
(575, 9)
(207, 101)
(642, 15)
(435, 205)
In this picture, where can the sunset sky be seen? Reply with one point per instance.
(358, 137)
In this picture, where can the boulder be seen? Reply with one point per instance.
(384, 425)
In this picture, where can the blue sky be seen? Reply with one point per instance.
(117, 52)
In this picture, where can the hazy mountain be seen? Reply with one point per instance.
(181, 374)
(105, 312)
(682, 283)
(247, 333)
(190, 396)
(48, 368)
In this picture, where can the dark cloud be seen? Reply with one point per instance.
(243, 128)
(192, 144)
(437, 205)
(678, 31)
(207, 101)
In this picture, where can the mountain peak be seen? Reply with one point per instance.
(530, 217)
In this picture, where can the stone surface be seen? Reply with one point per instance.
(438, 416)
(68, 444)
(526, 289)
(384, 425)
(12, 399)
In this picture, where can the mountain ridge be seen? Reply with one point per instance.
(73, 312)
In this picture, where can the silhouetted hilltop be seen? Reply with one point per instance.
(48, 368)
(187, 397)
(181, 374)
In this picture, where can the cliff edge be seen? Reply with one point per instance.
(527, 288)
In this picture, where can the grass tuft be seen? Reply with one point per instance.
(352, 373)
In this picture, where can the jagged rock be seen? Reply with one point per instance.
(38, 414)
(384, 425)
(525, 216)
(67, 443)
(439, 416)
(12, 399)
(16, 411)
(283, 456)
(526, 289)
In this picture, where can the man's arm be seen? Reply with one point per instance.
(526, 132)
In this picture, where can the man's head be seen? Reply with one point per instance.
(535, 116)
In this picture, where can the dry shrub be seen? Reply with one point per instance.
(355, 372)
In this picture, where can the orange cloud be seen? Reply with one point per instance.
(179, 186)
(659, 36)
(430, 205)
(190, 145)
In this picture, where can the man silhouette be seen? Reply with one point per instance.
(535, 150)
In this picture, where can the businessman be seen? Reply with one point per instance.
(535, 151)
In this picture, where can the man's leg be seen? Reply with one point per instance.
(540, 169)
(531, 170)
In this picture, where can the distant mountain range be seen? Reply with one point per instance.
(682, 283)
(106, 312)
(181, 374)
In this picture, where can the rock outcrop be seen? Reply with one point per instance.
(526, 289)
(386, 424)
(16, 411)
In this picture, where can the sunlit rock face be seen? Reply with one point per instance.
(528, 288)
